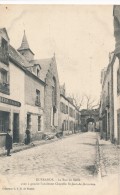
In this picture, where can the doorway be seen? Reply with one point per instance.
(108, 125)
(28, 121)
(15, 128)
(90, 124)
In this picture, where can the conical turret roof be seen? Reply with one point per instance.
(24, 44)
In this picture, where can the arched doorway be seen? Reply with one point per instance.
(90, 122)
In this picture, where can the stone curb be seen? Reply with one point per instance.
(101, 159)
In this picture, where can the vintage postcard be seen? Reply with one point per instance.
(59, 99)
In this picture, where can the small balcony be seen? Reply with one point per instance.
(37, 103)
(4, 88)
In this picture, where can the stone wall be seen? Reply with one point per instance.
(48, 111)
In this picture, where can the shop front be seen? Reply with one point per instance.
(9, 118)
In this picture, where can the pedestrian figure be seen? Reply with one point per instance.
(8, 142)
(27, 139)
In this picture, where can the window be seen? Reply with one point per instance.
(118, 81)
(38, 72)
(63, 108)
(71, 112)
(66, 109)
(54, 92)
(3, 76)
(39, 123)
(4, 84)
(5, 55)
(37, 101)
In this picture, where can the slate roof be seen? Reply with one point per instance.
(21, 61)
(14, 54)
(45, 64)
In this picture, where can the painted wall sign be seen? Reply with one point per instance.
(9, 101)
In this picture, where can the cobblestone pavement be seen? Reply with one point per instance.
(110, 157)
(74, 156)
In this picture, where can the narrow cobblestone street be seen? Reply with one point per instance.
(77, 162)
(74, 156)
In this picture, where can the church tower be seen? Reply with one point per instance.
(25, 49)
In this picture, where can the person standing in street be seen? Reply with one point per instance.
(27, 139)
(8, 142)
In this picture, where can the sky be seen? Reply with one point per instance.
(80, 35)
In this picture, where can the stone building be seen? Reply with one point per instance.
(34, 92)
(49, 75)
(11, 90)
(110, 102)
(110, 96)
(107, 101)
(29, 92)
(30, 96)
(21, 93)
(70, 115)
(116, 73)
(46, 71)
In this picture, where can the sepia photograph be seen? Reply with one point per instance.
(59, 99)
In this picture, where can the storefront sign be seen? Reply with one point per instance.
(9, 101)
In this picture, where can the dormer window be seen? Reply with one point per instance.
(38, 72)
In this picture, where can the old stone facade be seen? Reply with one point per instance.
(116, 73)
(70, 115)
(49, 75)
(34, 93)
(106, 103)
(29, 92)
(11, 92)
(21, 94)
(110, 96)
